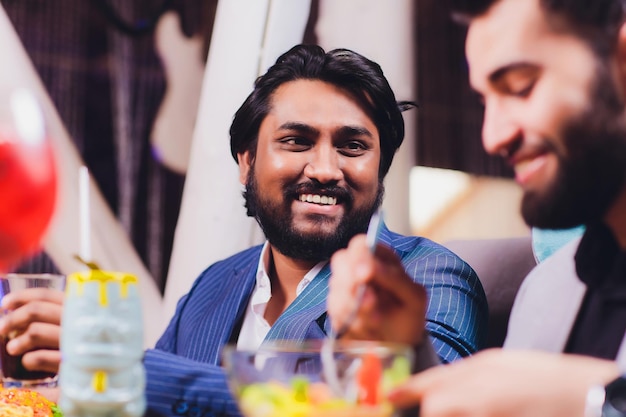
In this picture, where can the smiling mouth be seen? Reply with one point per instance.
(527, 168)
(323, 200)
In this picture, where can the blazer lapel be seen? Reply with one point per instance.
(305, 318)
(547, 304)
(235, 287)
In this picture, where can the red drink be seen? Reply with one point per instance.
(13, 371)
(27, 192)
(12, 366)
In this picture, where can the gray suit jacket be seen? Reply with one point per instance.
(547, 304)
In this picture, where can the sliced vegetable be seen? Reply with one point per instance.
(368, 379)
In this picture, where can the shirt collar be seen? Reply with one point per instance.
(262, 277)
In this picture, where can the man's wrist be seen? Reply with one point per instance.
(607, 401)
(594, 401)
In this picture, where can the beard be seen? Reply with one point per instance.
(592, 174)
(276, 220)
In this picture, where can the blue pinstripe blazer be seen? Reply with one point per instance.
(183, 372)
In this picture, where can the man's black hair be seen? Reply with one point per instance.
(346, 69)
(595, 21)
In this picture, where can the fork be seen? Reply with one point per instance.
(329, 365)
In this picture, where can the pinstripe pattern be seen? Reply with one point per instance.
(185, 363)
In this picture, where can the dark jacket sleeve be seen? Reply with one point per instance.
(185, 387)
(183, 372)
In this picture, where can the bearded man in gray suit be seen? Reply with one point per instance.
(552, 76)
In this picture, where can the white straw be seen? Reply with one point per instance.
(85, 223)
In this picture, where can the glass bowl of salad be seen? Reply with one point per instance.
(289, 379)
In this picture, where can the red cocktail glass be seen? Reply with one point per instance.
(27, 176)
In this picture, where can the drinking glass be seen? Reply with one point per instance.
(13, 372)
(102, 372)
(27, 175)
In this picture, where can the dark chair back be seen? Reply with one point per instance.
(501, 265)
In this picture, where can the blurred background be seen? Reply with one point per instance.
(143, 93)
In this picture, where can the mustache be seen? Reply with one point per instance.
(524, 148)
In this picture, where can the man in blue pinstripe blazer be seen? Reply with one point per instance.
(313, 141)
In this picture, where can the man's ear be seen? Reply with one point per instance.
(244, 161)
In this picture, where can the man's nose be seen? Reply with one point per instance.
(500, 131)
(324, 165)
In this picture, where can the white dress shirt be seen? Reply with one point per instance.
(255, 327)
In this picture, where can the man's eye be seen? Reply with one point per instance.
(295, 143)
(524, 91)
(354, 148)
(355, 145)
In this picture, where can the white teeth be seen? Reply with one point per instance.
(529, 165)
(521, 166)
(318, 199)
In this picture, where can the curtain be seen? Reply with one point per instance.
(97, 60)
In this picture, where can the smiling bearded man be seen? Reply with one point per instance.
(590, 172)
(552, 76)
(313, 142)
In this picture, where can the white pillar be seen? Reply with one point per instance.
(248, 36)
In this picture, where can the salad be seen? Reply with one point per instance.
(302, 398)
